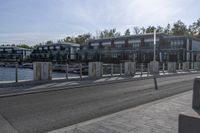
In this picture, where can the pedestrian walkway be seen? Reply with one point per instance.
(38, 86)
(156, 117)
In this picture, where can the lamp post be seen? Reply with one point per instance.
(154, 59)
(154, 46)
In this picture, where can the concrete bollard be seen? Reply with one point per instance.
(16, 72)
(42, 70)
(186, 66)
(95, 69)
(130, 68)
(154, 67)
(197, 66)
(196, 94)
(171, 67)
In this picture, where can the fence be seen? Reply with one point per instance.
(80, 71)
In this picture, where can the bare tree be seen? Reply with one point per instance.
(136, 30)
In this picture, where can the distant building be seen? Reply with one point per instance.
(13, 53)
(57, 52)
(139, 48)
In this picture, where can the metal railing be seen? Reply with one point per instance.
(80, 71)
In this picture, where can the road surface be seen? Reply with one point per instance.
(41, 112)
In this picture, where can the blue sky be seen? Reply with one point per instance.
(34, 21)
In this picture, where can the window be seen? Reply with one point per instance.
(119, 44)
(106, 43)
(134, 43)
(57, 47)
(114, 55)
(52, 47)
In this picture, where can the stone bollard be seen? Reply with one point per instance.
(95, 69)
(130, 68)
(196, 94)
(154, 67)
(186, 66)
(197, 66)
(42, 70)
(171, 67)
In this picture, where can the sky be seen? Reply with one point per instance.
(35, 21)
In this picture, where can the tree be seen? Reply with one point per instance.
(179, 28)
(80, 39)
(194, 29)
(167, 29)
(136, 30)
(127, 32)
(160, 29)
(143, 30)
(24, 46)
(150, 29)
(49, 42)
(109, 33)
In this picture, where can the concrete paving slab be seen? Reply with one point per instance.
(156, 117)
(5, 126)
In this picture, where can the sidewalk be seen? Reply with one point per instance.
(156, 117)
(43, 86)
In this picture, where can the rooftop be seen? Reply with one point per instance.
(63, 43)
(141, 35)
(13, 47)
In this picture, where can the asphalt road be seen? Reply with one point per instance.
(41, 112)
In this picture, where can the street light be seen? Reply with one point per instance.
(154, 46)
(154, 59)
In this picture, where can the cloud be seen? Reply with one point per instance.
(29, 38)
(56, 18)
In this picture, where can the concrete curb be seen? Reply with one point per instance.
(88, 84)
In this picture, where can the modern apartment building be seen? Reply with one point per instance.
(139, 48)
(57, 52)
(12, 53)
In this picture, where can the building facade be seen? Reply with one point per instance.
(13, 53)
(139, 48)
(57, 52)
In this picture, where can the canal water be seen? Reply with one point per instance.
(8, 74)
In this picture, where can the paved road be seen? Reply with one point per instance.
(160, 116)
(47, 111)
